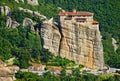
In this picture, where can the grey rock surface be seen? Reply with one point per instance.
(27, 21)
(50, 37)
(33, 2)
(11, 23)
(4, 10)
(114, 43)
(76, 42)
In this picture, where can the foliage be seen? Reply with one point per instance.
(21, 43)
(2, 21)
(27, 76)
(59, 61)
(19, 16)
(107, 13)
(26, 45)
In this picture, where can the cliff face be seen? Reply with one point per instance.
(82, 44)
(50, 37)
(75, 41)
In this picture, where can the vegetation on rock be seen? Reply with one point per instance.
(26, 45)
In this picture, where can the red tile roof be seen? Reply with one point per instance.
(82, 13)
(95, 22)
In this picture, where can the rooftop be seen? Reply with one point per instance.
(95, 22)
(81, 13)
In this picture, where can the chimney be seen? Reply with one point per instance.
(74, 10)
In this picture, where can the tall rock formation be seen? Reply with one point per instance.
(77, 39)
(50, 37)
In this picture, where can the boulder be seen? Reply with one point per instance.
(19, 1)
(27, 22)
(6, 74)
(114, 43)
(4, 10)
(14, 24)
(11, 23)
(8, 22)
(33, 2)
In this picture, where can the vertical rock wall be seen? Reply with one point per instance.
(76, 42)
(82, 44)
(50, 37)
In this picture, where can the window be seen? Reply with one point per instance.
(80, 19)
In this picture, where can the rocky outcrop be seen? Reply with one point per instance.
(50, 37)
(33, 2)
(6, 74)
(27, 21)
(18, 1)
(82, 44)
(114, 43)
(36, 13)
(2, 63)
(11, 23)
(4, 10)
(77, 41)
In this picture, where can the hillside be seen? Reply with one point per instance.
(24, 42)
(107, 13)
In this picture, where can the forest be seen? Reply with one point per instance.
(26, 46)
(107, 13)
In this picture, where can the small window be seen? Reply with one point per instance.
(80, 19)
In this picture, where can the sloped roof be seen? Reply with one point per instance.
(95, 22)
(81, 13)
